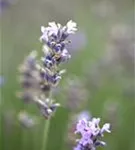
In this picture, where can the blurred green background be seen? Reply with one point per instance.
(102, 59)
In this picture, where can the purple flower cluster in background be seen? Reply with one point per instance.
(90, 134)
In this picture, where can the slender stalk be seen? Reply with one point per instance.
(24, 140)
(46, 128)
(45, 134)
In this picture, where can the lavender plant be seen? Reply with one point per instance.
(39, 77)
(90, 134)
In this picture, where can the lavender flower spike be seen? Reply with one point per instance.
(39, 77)
(90, 134)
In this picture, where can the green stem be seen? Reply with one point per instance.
(24, 139)
(45, 134)
(46, 128)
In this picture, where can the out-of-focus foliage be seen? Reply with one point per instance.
(102, 59)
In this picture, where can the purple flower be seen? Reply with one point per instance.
(81, 126)
(90, 133)
(57, 32)
(55, 35)
(105, 128)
